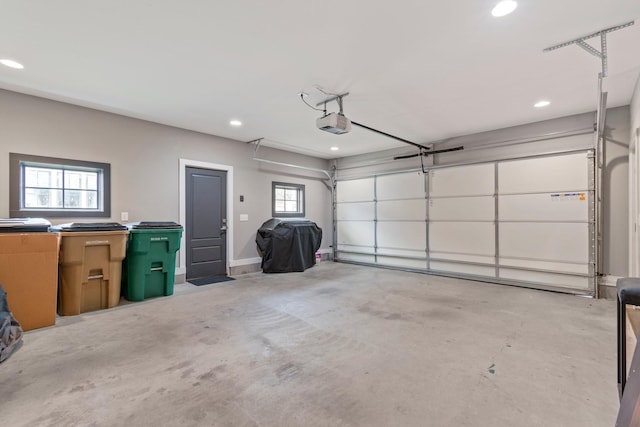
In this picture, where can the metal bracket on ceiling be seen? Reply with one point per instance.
(602, 53)
(256, 141)
(332, 97)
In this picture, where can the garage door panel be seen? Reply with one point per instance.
(544, 174)
(359, 233)
(543, 223)
(400, 186)
(565, 267)
(359, 211)
(366, 259)
(476, 270)
(545, 241)
(573, 206)
(357, 190)
(476, 238)
(446, 256)
(408, 253)
(402, 235)
(402, 210)
(402, 262)
(547, 279)
(462, 209)
(472, 180)
(354, 248)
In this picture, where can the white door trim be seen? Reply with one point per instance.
(184, 163)
(634, 204)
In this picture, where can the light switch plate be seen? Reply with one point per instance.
(124, 216)
(244, 217)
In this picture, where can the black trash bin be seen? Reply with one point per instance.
(288, 245)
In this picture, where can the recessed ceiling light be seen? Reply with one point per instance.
(334, 148)
(504, 8)
(541, 104)
(11, 63)
(235, 123)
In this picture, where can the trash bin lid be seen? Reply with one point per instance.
(91, 226)
(155, 225)
(22, 225)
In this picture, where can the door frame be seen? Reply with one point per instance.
(182, 186)
(634, 203)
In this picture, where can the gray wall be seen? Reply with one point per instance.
(616, 194)
(144, 160)
(504, 144)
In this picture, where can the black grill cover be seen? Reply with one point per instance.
(288, 245)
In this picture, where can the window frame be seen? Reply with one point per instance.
(16, 187)
(300, 188)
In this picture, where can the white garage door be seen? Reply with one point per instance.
(525, 221)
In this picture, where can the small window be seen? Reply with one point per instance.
(52, 187)
(287, 200)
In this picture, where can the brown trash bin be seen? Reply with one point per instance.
(90, 269)
(29, 275)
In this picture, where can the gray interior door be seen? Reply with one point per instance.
(206, 224)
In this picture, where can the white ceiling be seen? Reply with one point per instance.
(417, 69)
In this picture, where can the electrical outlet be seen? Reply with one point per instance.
(124, 216)
(244, 217)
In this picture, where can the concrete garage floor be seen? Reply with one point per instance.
(337, 345)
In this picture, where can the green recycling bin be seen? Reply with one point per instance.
(150, 266)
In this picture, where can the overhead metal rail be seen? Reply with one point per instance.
(258, 141)
(424, 151)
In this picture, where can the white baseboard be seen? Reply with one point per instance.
(258, 260)
(247, 261)
(244, 261)
(608, 280)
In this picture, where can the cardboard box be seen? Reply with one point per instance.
(29, 275)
